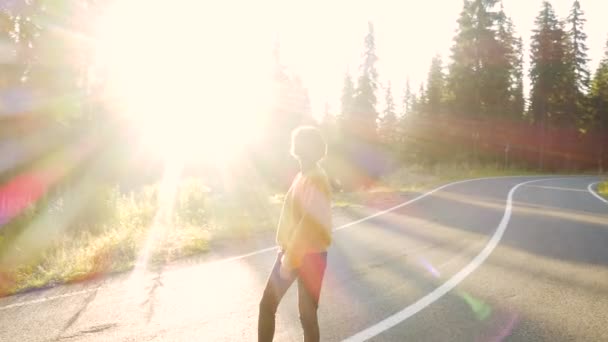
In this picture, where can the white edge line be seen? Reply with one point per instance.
(46, 299)
(268, 249)
(451, 283)
(415, 199)
(591, 191)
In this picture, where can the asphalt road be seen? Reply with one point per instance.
(485, 260)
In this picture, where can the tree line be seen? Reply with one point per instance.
(482, 86)
(472, 107)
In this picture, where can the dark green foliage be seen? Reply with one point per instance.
(599, 106)
(364, 116)
(420, 100)
(599, 92)
(518, 101)
(578, 60)
(464, 95)
(508, 74)
(550, 72)
(578, 38)
(408, 98)
(435, 91)
(485, 76)
(388, 121)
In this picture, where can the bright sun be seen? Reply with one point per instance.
(192, 81)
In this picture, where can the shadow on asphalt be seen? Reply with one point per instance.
(553, 232)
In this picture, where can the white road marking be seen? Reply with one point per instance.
(268, 249)
(451, 283)
(555, 188)
(415, 199)
(46, 299)
(591, 191)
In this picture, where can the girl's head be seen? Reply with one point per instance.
(308, 145)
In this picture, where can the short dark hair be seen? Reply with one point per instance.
(307, 144)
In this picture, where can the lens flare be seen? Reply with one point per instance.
(481, 310)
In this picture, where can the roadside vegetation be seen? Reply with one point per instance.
(46, 245)
(79, 163)
(115, 229)
(602, 189)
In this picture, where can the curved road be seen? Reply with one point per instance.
(519, 258)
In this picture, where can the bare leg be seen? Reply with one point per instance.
(310, 279)
(273, 293)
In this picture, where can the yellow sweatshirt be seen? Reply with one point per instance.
(305, 222)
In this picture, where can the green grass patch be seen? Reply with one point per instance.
(602, 189)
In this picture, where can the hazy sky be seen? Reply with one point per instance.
(321, 39)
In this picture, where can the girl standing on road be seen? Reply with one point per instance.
(303, 236)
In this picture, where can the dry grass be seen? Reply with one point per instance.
(119, 233)
(75, 258)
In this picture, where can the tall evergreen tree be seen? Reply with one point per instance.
(578, 38)
(388, 121)
(364, 112)
(578, 59)
(462, 82)
(508, 69)
(420, 100)
(348, 96)
(517, 92)
(435, 91)
(550, 72)
(474, 86)
(599, 103)
(347, 105)
(599, 96)
(407, 99)
(409, 102)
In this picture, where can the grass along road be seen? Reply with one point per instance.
(130, 233)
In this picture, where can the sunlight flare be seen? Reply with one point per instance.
(177, 83)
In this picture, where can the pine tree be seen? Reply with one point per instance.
(346, 116)
(550, 72)
(599, 95)
(348, 95)
(462, 82)
(472, 75)
(508, 71)
(578, 59)
(388, 121)
(365, 115)
(407, 99)
(435, 87)
(419, 103)
(517, 92)
(409, 102)
(578, 37)
(599, 107)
